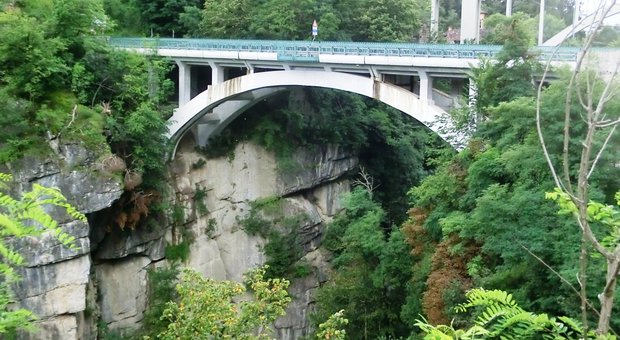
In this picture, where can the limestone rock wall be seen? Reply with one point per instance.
(105, 280)
(56, 281)
(313, 188)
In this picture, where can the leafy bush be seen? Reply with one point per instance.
(500, 317)
(208, 308)
(162, 283)
(177, 252)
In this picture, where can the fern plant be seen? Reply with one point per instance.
(19, 218)
(500, 317)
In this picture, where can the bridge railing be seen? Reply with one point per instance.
(311, 49)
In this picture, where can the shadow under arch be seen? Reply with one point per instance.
(212, 110)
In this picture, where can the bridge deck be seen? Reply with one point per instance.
(311, 50)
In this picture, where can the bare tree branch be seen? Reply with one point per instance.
(366, 181)
(600, 152)
(595, 119)
(562, 278)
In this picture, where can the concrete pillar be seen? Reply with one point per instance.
(508, 8)
(217, 74)
(470, 21)
(434, 18)
(185, 82)
(426, 87)
(541, 22)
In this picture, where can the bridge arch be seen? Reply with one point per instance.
(212, 110)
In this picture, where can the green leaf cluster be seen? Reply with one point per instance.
(162, 282)
(500, 317)
(372, 266)
(208, 309)
(331, 328)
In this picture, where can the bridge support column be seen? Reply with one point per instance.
(185, 83)
(217, 74)
(426, 88)
(434, 18)
(470, 21)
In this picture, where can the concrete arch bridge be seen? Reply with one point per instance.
(220, 79)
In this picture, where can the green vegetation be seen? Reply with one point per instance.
(162, 282)
(199, 164)
(372, 266)
(200, 195)
(365, 20)
(484, 210)
(208, 308)
(478, 218)
(23, 218)
(61, 81)
(268, 219)
(499, 317)
(331, 329)
(178, 250)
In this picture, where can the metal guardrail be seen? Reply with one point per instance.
(309, 50)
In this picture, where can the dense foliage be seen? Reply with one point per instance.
(372, 266)
(207, 309)
(384, 20)
(61, 82)
(486, 206)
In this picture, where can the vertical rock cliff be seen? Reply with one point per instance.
(105, 284)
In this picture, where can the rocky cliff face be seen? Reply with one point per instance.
(57, 282)
(106, 279)
(312, 187)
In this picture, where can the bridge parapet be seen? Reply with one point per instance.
(310, 50)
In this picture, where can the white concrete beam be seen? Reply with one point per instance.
(187, 116)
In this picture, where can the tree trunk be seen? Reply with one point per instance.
(607, 296)
(583, 292)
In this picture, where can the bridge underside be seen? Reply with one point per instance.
(212, 110)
